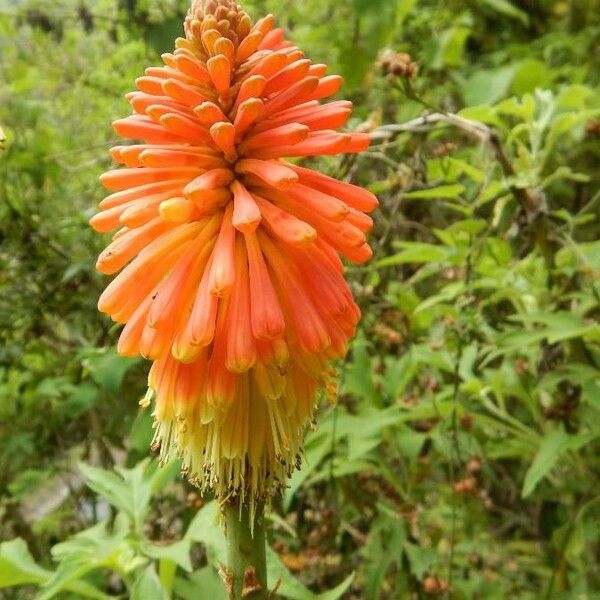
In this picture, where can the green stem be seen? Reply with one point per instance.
(246, 553)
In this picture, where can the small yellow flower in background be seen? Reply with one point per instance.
(230, 277)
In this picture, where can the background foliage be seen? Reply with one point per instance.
(461, 460)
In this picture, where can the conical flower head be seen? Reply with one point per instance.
(230, 278)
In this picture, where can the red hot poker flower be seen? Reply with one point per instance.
(230, 278)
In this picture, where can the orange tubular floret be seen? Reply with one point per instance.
(352, 195)
(127, 178)
(251, 88)
(246, 214)
(192, 68)
(219, 68)
(223, 134)
(285, 135)
(284, 225)
(142, 191)
(241, 346)
(223, 268)
(230, 277)
(266, 316)
(209, 113)
(247, 114)
(182, 92)
(271, 172)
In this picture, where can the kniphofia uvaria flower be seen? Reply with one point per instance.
(229, 255)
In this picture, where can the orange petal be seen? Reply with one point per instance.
(129, 340)
(269, 65)
(176, 210)
(265, 24)
(300, 312)
(299, 92)
(265, 313)
(121, 179)
(352, 195)
(247, 114)
(223, 134)
(149, 85)
(222, 272)
(287, 76)
(210, 180)
(192, 68)
(246, 214)
(225, 47)
(209, 113)
(185, 127)
(270, 171)
(143, 128)
(322, 204)
(251, 88)
(317, 143)
(168, 187)
(272, 39)
(248, 46)
(279, 136)
(219, 68)
(177, 158)
(285, 226)
(327, 87)
(184, 93)
(241, 347)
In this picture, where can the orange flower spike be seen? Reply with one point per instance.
(229, 257)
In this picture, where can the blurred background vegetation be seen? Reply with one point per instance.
(461, 460)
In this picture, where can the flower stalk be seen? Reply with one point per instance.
(246, 574)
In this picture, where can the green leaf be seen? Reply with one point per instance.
(530, 74)
(358, 375)
(130, 490)
(91, 549)
(178, 552)
(415, 252)
(107, 368)
(487, 87)
(17, 566)
(450, 47)
(205, 528)
(553, 447)
(421, 559)
(450, 191)
(560, 325)
(508, 9)
(205, 580)
(147, 586)
(316, 447)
